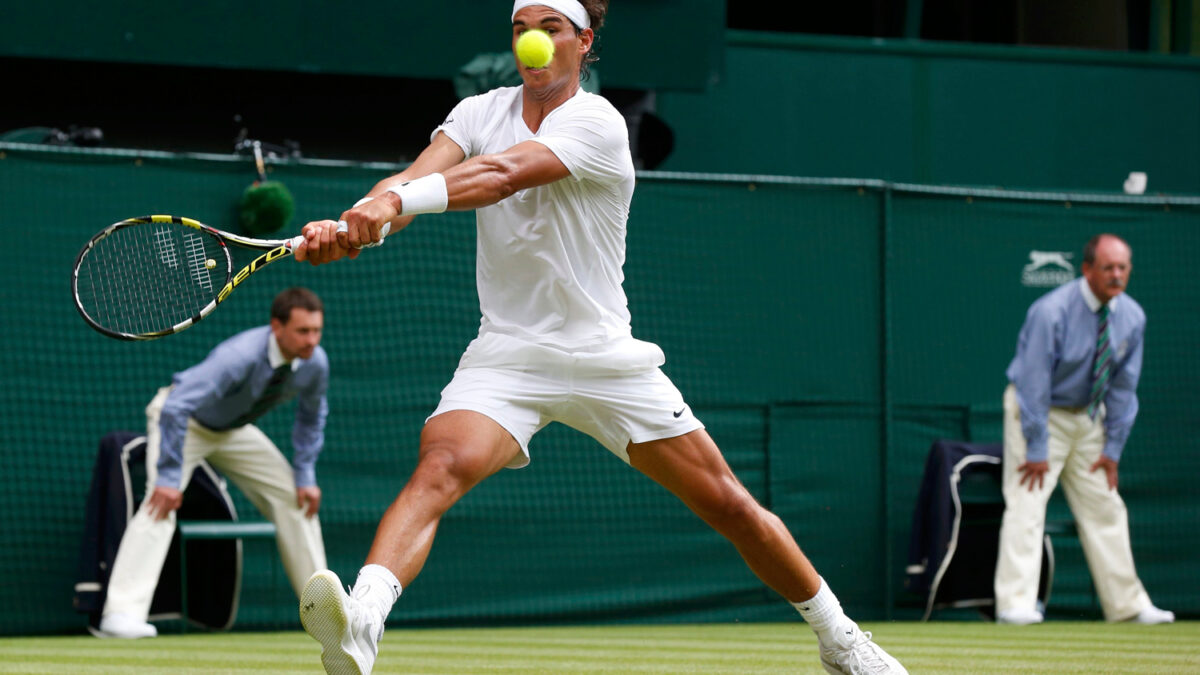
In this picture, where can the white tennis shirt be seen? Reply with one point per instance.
(549, 258)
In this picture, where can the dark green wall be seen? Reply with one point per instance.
(736, 101)
(410, 39)
(826, 332)
(943, 114)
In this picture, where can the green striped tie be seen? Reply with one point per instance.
(1102, 366)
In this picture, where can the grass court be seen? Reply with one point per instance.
(962, 648)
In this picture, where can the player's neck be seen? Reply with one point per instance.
(537, 104)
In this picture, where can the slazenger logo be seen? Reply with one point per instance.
(1048, 269)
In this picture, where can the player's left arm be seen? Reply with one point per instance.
(477, 182)
(365, 220)
(487, 179)
(590, 143)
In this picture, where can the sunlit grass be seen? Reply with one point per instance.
(949, 647)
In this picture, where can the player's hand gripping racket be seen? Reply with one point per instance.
(148, 277)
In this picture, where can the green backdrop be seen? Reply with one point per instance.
(942, 113)
(827, 331)
(425, 39)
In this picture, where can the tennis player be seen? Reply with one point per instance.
(208, 413)
(547, 168)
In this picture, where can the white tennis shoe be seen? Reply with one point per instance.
(1020, 617)
(348, 630)
(123, 627)
(1154, 615)
(854, 653)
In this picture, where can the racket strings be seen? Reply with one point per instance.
(197, 260)
(149, 278)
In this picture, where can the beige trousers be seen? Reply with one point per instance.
(245, 456)
(1076, 442)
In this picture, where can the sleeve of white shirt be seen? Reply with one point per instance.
(592, 142)
(463, 123)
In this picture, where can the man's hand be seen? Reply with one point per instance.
(309, 499)
(1035, 473)
(321, 244)
(163, 502)
(365, 221)
(1110, 470)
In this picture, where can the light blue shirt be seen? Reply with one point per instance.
(1053, 364)
(223, 386)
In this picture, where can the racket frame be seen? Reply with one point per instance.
(272, 250)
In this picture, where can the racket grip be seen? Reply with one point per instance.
(295, 242)
(383, 232)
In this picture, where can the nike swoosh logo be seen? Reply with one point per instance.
(679, 412)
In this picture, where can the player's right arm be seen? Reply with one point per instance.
(474, 183)
(322, 243)
(439, 156)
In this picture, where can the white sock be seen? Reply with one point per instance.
(377, 588)
(823, 613)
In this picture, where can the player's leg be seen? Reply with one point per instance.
(1103, 524)
(459, 449)
(693, 469)
(1019, 562)
(145, 543)
(641, 417)
(249, 459)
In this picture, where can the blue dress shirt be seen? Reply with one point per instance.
(1053, 364)
(223, 386)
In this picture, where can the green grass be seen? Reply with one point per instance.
(963, 648)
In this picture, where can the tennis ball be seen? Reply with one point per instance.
(210, 263)
(535, 48)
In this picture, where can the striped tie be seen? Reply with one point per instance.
(271, 395)
(1102, 366)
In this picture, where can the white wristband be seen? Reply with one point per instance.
(422, 195)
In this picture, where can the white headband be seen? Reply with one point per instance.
(568, 8)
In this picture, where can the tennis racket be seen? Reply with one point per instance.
(149, 277)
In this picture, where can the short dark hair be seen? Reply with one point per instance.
(1089, 249)
(596, 11)
(291, 298)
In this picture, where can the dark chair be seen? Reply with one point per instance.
(956, 529)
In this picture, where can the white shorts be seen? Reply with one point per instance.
(614, 406)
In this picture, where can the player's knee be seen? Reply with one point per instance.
(445, 471)
(731, 507)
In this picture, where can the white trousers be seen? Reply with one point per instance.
(1076, 442)
(245, 456)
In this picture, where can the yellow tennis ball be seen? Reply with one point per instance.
(210, 263)
(535, 48)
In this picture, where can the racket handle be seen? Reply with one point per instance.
(383, 232)
(294, 242)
